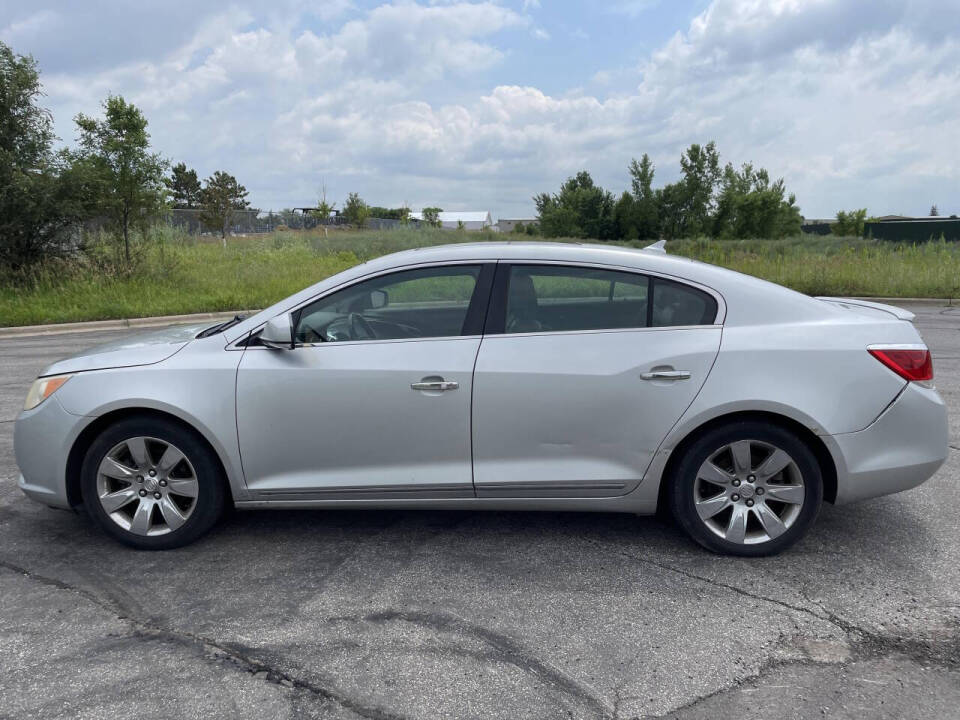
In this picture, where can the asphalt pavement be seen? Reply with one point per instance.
(417, 614)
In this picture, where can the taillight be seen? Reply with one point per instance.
(911, 362)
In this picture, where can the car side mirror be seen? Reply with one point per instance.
(278, 333)
(379, 299)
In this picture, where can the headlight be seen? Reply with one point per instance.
(43, 388)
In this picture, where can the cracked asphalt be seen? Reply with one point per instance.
(419, 614)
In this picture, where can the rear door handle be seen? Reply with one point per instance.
(435, 385)
(666, 375)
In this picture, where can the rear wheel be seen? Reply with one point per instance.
(746, 488)
(152, 484)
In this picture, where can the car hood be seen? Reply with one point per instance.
(139, 349)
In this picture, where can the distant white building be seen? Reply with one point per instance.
(470, 220)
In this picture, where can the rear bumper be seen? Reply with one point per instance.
(903, 448)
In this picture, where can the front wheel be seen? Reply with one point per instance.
(747, 488)
(152, 484)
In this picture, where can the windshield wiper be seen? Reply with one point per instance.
(219, 328)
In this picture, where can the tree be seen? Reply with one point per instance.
(460, 225)
(42, 195)
(221, 197)
(519, 228)
(646, 215)
(130, 177)
(431, 216)
(184, 187)
(700, 165)
(625, 216)
(581, 209)
(750, 206)
(324, 209)
(934, 212)
(355, 210)
(849, 223)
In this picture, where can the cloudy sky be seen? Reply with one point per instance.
(479, 105)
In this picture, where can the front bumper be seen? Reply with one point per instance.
(42, 439)
(903, 447)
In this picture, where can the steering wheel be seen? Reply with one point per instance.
(360, 327)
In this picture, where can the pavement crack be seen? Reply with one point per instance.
(720, 584)
(233, 654)
(944, 652)
(505, 650)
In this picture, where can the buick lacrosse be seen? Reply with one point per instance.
(498, 376)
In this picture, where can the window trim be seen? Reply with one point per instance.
(473, 322)
(497, 315)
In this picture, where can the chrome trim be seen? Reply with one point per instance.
(718, 321)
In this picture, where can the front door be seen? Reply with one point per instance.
(584, 374)
(374, 399)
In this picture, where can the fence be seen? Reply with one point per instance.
(245, 222)
(917, 230)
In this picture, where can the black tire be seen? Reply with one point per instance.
(681, 488)
(211, 493)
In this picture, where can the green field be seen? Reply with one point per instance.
(175, 274)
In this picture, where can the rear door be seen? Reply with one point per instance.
(582, 372)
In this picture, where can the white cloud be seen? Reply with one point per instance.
(853, 102)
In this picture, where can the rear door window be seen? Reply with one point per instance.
(558, 298)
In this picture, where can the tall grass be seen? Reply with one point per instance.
(174, 273)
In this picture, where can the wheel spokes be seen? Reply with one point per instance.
(187, 487)
(116, 470)
(114, 501)
(147, 499)
(713, 474)
(141, 518)
(772, 524)
(138, 451)
(792, 494)
(734, 497)
(777, 462)
(710, 507)
(169, 460)
(737, 526)
(171, 513)
(742, 463)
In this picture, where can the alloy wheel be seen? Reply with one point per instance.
(147, 486)
(749, 492)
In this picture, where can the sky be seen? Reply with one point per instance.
(481, 105)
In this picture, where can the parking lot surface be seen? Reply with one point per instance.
(416, 614)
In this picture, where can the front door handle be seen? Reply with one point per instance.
(666, 375)
(435, 385)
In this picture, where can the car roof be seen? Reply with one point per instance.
(748, 300)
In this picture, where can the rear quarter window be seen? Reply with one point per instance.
(678, 304)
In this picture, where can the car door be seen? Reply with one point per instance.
(582, 372)
(373, 399)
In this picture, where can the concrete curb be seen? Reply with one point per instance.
(123, 324)
(160, 320)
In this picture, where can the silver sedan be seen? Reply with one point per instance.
(500, 376)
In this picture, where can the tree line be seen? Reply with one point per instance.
(708, 199)
(112, 175)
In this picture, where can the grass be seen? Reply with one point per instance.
(174, 274)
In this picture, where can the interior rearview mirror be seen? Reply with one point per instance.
(379, 299)
(278, 333)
